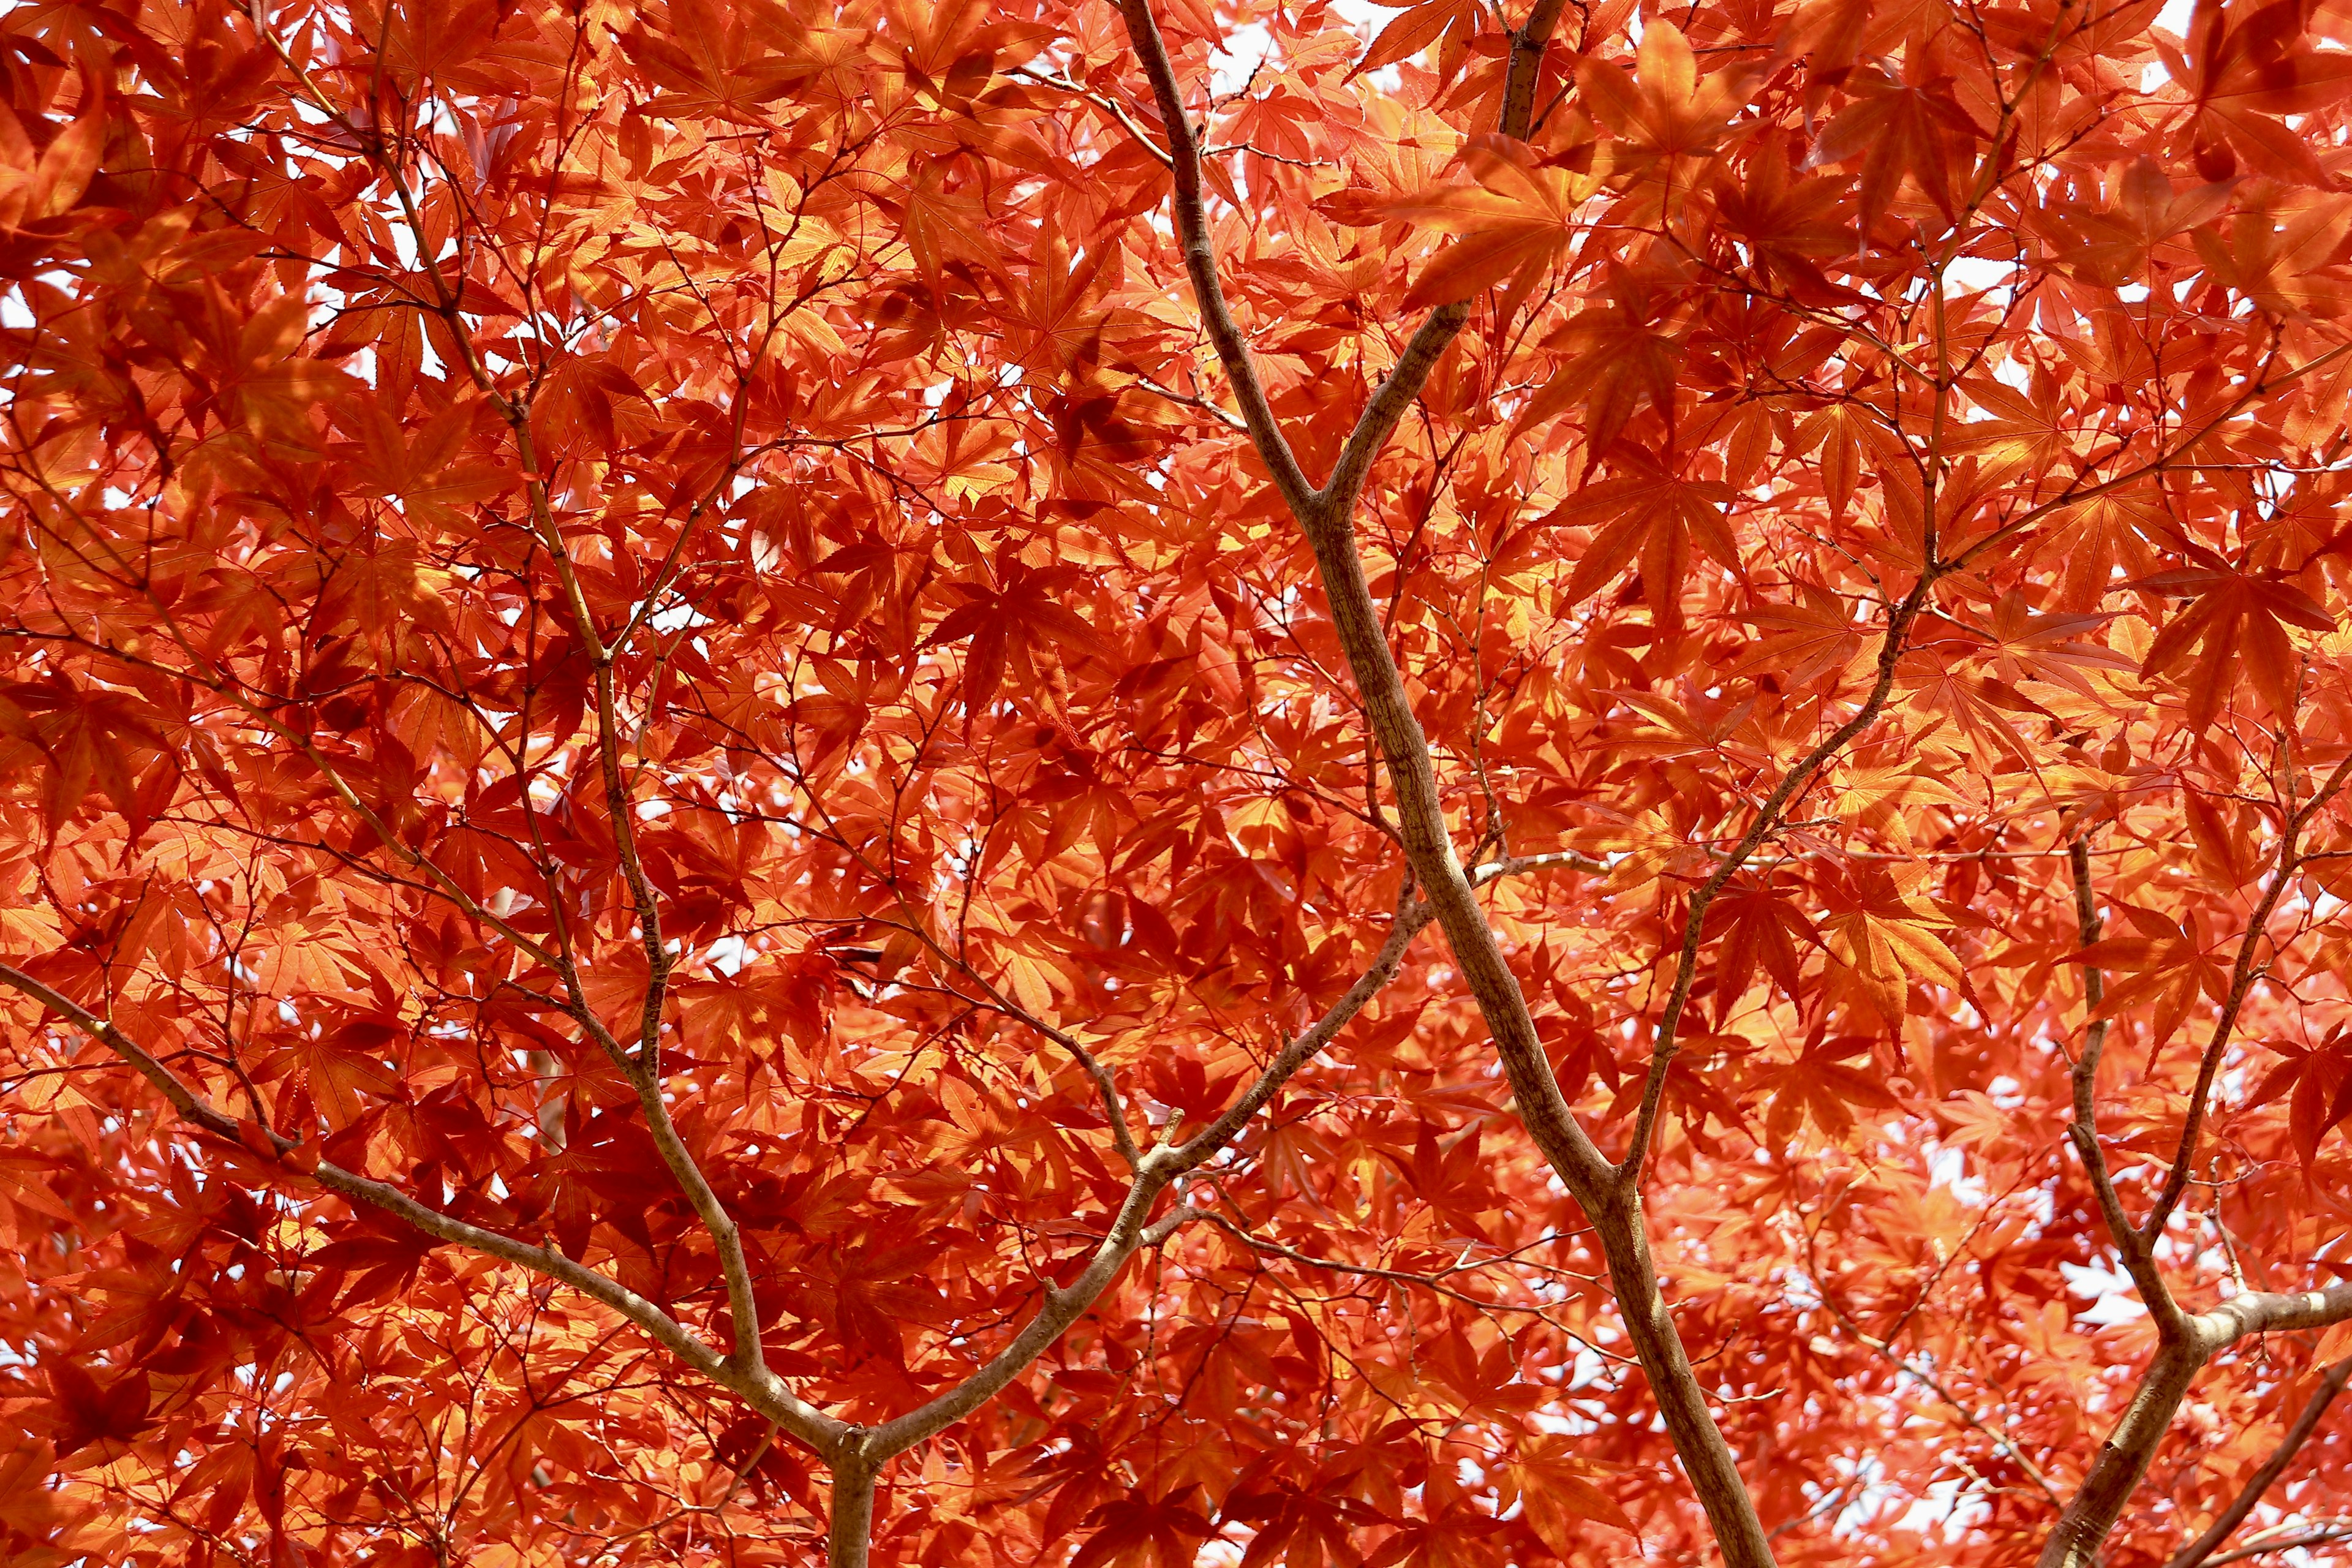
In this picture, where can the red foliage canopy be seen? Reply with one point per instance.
(730, 730)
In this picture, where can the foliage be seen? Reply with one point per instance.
(728, 729)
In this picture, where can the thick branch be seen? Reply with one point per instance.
(2124, 1457)
(1413, 368)
(1404, 381)
(741, 1303)
(2269, 1312)
(849, 1527)
(1327, 517)
(643, 901)
(2121, 1459)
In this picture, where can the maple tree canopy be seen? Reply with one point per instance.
(1141, 781)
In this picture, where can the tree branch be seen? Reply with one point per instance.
(2185, 1342)
(1155, 1171)
(1132, 1229)
(2124, 1457)
(2138, 1255)
(1064, 1305)
(2287, 1542)
(2331, 1383)
(1201, 263)
(1327, 517)
(2074, 496)
(849, 1521)
(1429, 1282)
(1411, 919)
(644, 1071)
(2269, 1312)
(2243, 976)
(1116, 110)
(857, 1454)
(1628, 1172)
(1886, 1351)
(762, 1390)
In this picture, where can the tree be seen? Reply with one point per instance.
(731, 730)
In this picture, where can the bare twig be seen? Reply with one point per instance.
(2288, 1542)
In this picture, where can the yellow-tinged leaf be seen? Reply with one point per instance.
(69, 162)
(29, 930)
(1556, 1488)
(1667, 108)
(1518, 217)
(1413, 30)
(1027, 979)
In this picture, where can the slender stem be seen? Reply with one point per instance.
(1662, 1053)
(2243, 976)
(644, 1070)
(1133, 1230)
(1201, 263)
(1885, 1351)
(2138, 1256)
(2074, 495)
(2185, 1342)
(1195, 1151)
(2287, 1542)
(1116, 110)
